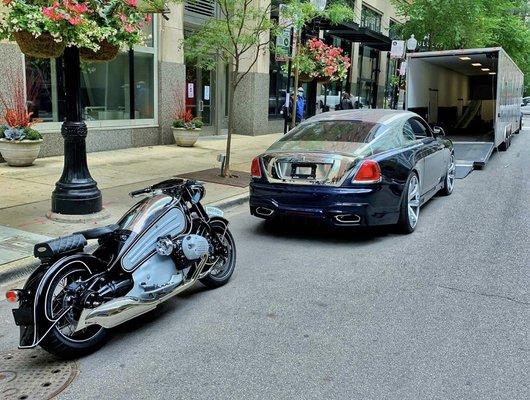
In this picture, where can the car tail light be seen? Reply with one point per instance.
(369, 172)
(13, 295)
(255, 169)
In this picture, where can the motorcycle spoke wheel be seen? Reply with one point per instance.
(60, 308)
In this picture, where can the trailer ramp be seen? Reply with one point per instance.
(470, 156)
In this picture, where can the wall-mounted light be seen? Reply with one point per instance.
(465, 58)
(492, 73)
(485, 69)
(476, 64)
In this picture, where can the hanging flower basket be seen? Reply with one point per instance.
(106, 52)
(321, 62)
(42, 46)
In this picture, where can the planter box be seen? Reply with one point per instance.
(185, 137)
(20, 153)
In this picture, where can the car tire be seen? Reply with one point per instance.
(450, 177)
(410, 205)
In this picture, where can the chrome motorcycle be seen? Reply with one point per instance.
(163, 245)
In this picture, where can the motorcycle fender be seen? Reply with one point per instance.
(220, 219)
(214, 212)
(31, 315)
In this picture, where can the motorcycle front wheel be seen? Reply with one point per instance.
(223, 267)
(62, 340)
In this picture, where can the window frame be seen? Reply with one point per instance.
(53, 127)
(425, 125)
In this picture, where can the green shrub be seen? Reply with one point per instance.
(32, 134)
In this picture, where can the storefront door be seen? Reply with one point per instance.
(199, 93)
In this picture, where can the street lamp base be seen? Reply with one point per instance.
(78, 219)
(76, 192)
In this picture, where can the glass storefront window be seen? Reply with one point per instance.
(277, 87)
(105, 87)
(144, 85)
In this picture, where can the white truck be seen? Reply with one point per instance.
(475, 95)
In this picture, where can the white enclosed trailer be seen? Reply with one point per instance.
(475, 95)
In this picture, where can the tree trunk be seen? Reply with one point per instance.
(231, 123)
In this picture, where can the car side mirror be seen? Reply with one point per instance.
(438, 131)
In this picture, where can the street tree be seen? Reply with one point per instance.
(243, 32)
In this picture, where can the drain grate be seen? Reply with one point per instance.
(33, 375)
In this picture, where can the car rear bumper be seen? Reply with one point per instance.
(337, 205)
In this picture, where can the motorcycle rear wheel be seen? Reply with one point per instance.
(223, 268)
(62, 340)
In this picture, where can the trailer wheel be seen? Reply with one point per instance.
(504, 145)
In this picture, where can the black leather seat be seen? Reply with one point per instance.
(96, 233)
(62, 245)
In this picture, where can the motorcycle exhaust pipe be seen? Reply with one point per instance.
(123, 309)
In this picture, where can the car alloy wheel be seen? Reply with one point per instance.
(413, 204)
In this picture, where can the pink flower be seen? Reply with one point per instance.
(7, 2)
(51, 13)
(129, 28)
(75, 20)
(132, 3)
(123, 18)
(148, 18)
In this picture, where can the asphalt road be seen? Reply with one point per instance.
(310, 314)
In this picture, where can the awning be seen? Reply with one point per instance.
(354, 33)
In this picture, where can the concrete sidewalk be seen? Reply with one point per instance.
(25, 192)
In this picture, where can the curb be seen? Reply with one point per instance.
(22, 268)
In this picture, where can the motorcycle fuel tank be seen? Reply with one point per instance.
(149, 220)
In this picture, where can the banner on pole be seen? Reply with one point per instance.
(398, 49)
(283, 40)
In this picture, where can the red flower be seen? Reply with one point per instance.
(132, 3)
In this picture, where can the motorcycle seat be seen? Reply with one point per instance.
(66, 244)
(96, 233)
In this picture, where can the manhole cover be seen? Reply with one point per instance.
(33, 374)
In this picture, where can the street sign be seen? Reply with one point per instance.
(398, 49)
(283, 40)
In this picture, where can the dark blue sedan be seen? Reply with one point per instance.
(355, 167)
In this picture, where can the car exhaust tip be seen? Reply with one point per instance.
(348, 219)
(264, 211)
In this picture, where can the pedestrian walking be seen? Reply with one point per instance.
(300, 105)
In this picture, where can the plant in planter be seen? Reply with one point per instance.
(186, 128)
(19, 142)
(317, 60)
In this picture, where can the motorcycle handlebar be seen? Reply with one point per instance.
(138, 192)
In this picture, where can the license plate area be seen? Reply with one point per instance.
(303, 170)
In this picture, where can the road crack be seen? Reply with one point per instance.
(491, 295)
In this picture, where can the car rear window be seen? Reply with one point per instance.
(333, 131)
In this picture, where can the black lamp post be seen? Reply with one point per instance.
(76, 193)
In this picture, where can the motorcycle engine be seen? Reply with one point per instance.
(194, 247)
